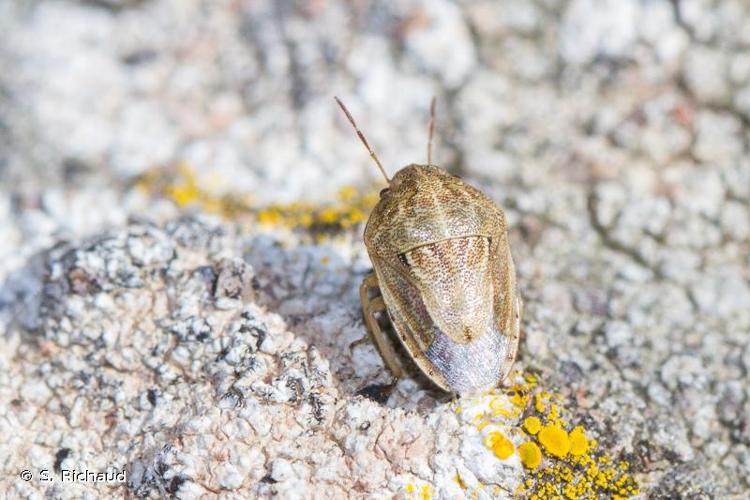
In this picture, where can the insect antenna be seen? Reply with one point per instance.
(362, 138)
(430, 130)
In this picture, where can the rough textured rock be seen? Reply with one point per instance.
(218, 356)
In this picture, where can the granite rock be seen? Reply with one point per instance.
(208, 355)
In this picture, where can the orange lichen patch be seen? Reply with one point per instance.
(181, 185)
(531, 455)
(578, 442)
(409, 488)
(500, 445)
(532, 424)
(555, 440)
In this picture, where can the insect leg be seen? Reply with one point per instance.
(370, 307)
(519, 314)
(515, 335)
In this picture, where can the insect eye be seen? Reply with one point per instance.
(404, 260)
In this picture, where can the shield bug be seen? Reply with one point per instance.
(444, 275)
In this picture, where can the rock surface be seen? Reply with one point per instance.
(226, 355)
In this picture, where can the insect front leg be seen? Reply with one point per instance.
(371, 307)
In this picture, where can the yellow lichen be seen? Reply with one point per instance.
(578, 442)
(554, 413)
(576, 469)
(532, 424)
(555, 440)
(347, 193)
(187, 191)
(540, 400)
(503, 411)
(518, 400)
(560, 461)
(425, 493)
(497, 406)
(180, 185)
(531, 455)
(500, 445)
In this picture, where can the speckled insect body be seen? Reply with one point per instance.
(442, 264)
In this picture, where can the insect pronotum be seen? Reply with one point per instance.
(445, 276)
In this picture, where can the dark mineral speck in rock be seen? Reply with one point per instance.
(152, 395)
(175, 483)
(60, 456)
(377, 392)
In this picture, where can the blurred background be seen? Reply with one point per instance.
(242, 90)
(615, 133)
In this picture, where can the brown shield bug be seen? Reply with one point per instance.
(445, 275)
